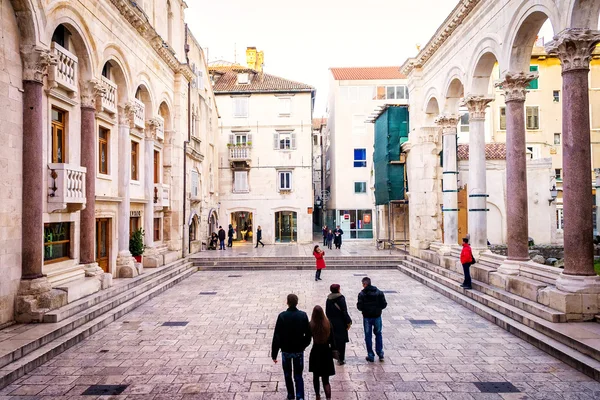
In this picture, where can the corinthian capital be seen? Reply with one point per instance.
(574, 48)
(476, 105)
(515, 85)
(127, 116)
(151, 126)
(448, 123)
(35, 63)
(90, 91)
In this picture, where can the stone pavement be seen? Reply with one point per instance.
(223, 351)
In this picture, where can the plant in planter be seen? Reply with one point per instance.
(136, 245)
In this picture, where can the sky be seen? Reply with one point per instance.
(303, 39)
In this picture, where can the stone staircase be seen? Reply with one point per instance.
(541, 326)
(69, 325)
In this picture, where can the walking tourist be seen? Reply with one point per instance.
(320, 362)
(230, 233)
(337, 313)
(329, 239)
(325, 230)
(292, 335)
(221, 238)
(371, 302)
(337, 237)
(466, 259)
(259, 236)
(319, 254)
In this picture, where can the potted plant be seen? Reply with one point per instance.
(136, 245)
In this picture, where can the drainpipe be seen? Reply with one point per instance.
(185, 144)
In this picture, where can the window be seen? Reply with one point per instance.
(240, 107)
(285, 180)
(464, 123)
(285, 106)
(358, 124)
(556, 96)
(106, 70)
(315, 140)
(533, 85)
(195, 179)
(557, 138)
(61, 36)
(558, 174)
(360, 158)
(240, 182)
(360, 187)
(357, 93)
(532, 117)
(502, 118)
(156, 229)
(559, 219)
(391, 93)
(57, 242)
(241, 140)
(103, 139)
(134, 160)
(134, 225)
(58, 136)
(156, 166)
(534, 152)
(284, 141)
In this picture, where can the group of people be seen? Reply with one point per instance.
(328, 330)
(332, 237)
(219, 238)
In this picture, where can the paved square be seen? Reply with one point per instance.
(223, 351)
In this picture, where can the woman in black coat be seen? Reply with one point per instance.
(337, 313)
(320, 361)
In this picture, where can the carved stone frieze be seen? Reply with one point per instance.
(574, 47)
(448, 123)
(515, 85)
(151, 127)
(36, 61)
(476, 105)
(91, 90)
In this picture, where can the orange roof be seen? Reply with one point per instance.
(366, 73)
(226, 81)
(493, 151)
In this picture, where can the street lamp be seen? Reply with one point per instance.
(553, 194)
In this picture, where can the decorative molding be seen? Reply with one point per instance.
(515, 85)
(448, 123)
(453, 21)
(151, 126)
(476, 105)
(574, 47)
(128, 116)
(91, 90)
(36, 61)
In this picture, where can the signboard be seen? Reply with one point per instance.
(310, 210)
(135, 214)
(367, 218)
(346, 216)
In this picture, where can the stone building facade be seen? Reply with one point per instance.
(95, 127)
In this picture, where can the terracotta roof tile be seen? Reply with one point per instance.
(318, 122)
(493, 151)
(366, 73)
(226, 82)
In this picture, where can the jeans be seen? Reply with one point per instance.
(324, 240)
(373, 325)
(230, 241)
(467, 272)
(297, 360)
(318, 274)
(221, 245)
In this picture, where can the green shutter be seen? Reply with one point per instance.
(533, 85)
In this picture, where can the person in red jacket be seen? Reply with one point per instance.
(319, 254)
(466, 259)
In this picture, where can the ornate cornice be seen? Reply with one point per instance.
(476, 105)
(151, 126)
(91, 90)
(448, 123)
(453, 21)
(515, 85)
(36, 61)
(574, 47)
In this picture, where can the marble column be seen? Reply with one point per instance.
(477, 186)
(150, 258)
(574, 48)
(597, 185)
(448, 123)
(515, 89)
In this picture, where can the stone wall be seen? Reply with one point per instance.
(546, 251)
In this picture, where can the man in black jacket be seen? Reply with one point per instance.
(292, 335)
(371, 301)
(221, 238)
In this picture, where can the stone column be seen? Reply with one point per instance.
(574, 48)
(449, 180)
(150, 258)
(125, 262)
(515, 89)
(597, 173)
(477, 172)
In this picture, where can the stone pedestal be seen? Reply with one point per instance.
(126, 265)
(35, 298)
(509, 267)
(448, 124)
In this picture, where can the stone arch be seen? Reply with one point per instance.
(115, 56)
(30, 18)
(583, 14)
(143, 93)
(165, 112)
(432, 107)
(455, 90)
(527, 22)
(486, 55)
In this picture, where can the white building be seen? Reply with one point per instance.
(265, 146)
(353, 95)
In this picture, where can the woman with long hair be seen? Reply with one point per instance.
(337, 312)
(318, 253)
(320, 362)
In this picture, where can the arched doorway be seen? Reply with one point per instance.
(286, 226)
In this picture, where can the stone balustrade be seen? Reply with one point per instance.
(138, 114)
(64, 73)
(66, 187)
(240, 153)
(162, 195)
(108, 100)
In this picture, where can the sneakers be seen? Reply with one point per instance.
(381, 358)
(369, 359)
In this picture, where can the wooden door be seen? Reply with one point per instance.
(463, 214)
(103, 243)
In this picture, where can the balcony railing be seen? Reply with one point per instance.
(138, 114)
(162, 195)
(108, 100)
(64, 73)
(66, 187)
(239, 153)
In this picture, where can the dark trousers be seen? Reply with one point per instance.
(340, 346)
(373, 325)
(318, 274)
(221, 245)
(230, 241)
(324, 240)
(467, 272)
(316, 385)
(258, 241)
(328, 244)
(295, 360)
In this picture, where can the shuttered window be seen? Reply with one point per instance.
(533, 117)
(240, 107)
(240, 182)
(534, 84)
(284, 141)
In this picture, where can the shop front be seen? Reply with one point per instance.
(286, 227)
(242, 225)
(356, 224)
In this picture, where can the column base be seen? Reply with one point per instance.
(576, 306)
(126, 265)
(578, 284)
(93, 270)
(151, 258)
(509, 267)
(446, 250)
(35, 298)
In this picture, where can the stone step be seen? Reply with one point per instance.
(45, 333)
(509, 299)
(571, 356)
(34, 359)
(273, 267)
